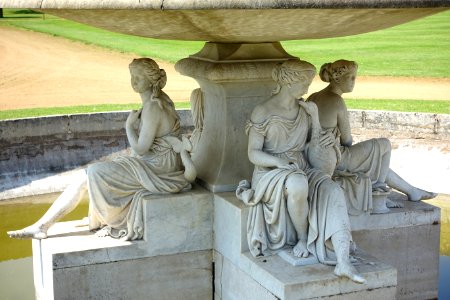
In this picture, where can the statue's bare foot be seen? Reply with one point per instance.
(347, 270)
(393, 204)
(300, 249)
(104, 232)
(30, 232)
(418, 194)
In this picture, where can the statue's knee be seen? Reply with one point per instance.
(297, 187)
(92, 169)
(385, 144)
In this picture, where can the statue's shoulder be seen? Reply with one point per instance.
(260, 113)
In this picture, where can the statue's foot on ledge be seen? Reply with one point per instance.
(418, 194)
(300, 250)
(347, 270)
(30, 232)
(393, 204)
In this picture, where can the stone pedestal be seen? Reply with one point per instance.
(238, 275)
(234, 78)
(408, 239)
(196, 240)
(174, 261)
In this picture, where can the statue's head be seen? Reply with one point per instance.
(341, 72)
(293, 71)
(146, 74)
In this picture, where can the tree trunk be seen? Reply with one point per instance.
(1, 12)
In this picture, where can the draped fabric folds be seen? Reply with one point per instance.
(117, 188)
(359, 167)
(269, 226)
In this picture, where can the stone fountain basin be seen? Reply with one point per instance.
(236, 21)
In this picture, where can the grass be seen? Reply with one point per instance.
(416, 49)
(425, 106)
(166, 50)
(68, 110)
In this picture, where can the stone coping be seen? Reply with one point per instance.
(237, 21)
(218, 4)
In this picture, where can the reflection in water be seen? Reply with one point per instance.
(15, 254)
(22, 212)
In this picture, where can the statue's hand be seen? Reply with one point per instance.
(286, 164)
(133, 117)
(327, 139)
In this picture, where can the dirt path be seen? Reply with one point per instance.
(38, 70)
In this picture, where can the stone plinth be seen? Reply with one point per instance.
(234, 78)
(241, 276)
(174, 261)
(408, 239)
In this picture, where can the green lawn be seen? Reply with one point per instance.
(419, 48)
(425, 106)
(81, 109)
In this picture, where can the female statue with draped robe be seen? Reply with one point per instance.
(361, 168)
(293, 204)
(158, 164)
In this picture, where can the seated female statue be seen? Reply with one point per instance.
(369, 160)
(291, 203)
(116, 188)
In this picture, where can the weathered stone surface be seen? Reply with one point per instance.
(271, 276)
(174, 258)
(179, 222)
(178, 276)
(410, 124)
(238, 20)
(233, 81)
(406, 238)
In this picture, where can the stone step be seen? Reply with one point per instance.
(174, 258)
(274, 275)
(273, 278)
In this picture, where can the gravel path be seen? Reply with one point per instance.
(39, 70)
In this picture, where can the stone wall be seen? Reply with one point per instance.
(58, 143)
(411, 125)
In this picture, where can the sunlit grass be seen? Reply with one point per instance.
(417, 49)
(81, 109)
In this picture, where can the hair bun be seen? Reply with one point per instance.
(324, 73)
(162, 78)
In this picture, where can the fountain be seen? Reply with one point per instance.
(234, 73)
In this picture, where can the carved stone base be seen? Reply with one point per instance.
(172, 262)
(238, 275)
(179, 248)
(234, 78)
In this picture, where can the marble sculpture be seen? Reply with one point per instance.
(159, 164)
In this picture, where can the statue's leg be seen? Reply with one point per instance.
(344, 268)
(414, 194)
(62, 206)
(296, 188)
(385, 149)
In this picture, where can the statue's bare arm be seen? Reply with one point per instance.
(343, 123)
(150, 117)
